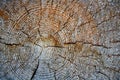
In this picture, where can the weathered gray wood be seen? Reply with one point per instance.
(59, 40)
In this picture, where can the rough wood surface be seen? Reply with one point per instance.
(59, 40)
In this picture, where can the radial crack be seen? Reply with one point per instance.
(115, 41)
(56, 46)
(104, 74)
(10, 44)
(34, 73)
(107, 19)
(99, 45)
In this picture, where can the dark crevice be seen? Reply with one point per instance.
(55, 75)
(25, 33)
(106, 20)
(70, 43)
(114, 55)
(99, 45)
(10, 44)
(80, 77)
(56, 46)
(69, 60)
(115, 41)
(87, 22)
(112, 69)
(35, 70)
(104, 74)
(1, 38)
(26, 10)
(37, 45)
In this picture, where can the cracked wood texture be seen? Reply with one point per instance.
(59, 40)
